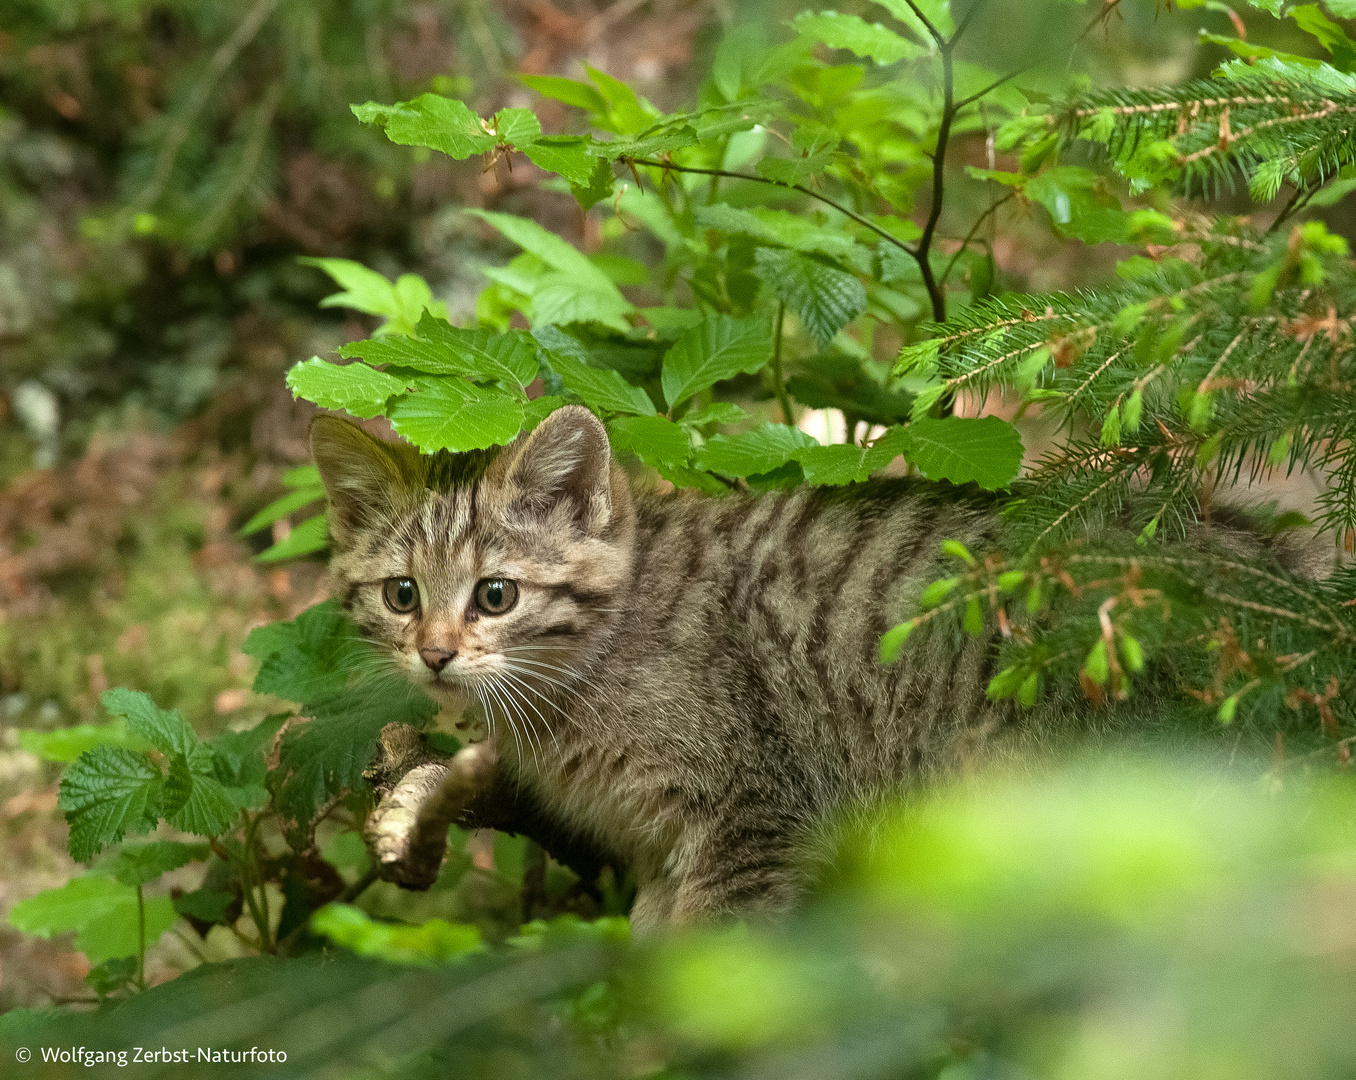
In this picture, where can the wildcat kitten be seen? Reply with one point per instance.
(690, 684)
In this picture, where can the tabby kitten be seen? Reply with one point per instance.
(690, 684)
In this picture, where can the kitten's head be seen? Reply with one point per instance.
(478, 567)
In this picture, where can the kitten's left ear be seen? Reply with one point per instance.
(566, 462)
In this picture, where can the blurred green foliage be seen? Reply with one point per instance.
(1110, 920)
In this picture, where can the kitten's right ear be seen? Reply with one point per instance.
(364, 477)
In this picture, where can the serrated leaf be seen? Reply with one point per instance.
(140, 864)
(597, 187)
(105, 793)
(163, 728)
(987, 450)
(280, 508)
(101, 911)
(601, 390)
(758, 451)
(509, 357)
(306, 538)
(718, 412)
(841, 463)
(852, 32)
(824, 298)
(430, 120)
(720, 347)
(328, 753)
(310, 658)
(353, 388)
(451, 414)
(567, 156)
(653, 439)
(208, 810)
(444, 349)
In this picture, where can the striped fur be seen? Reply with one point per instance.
(692, 683)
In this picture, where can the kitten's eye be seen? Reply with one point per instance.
(401, 594)
(495, 596)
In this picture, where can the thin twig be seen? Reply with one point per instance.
(973, 230)
(671, 167)
(779, 382)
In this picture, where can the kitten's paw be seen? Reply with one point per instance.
(407, 832)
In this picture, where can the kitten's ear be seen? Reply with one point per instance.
(363, 476)
(566, 462)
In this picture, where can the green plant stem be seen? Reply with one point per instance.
(141, 937)
(247, 885)
(778, 381)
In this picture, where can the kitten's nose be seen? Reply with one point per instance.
(437, 658)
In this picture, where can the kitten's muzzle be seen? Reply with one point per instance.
(437, 658)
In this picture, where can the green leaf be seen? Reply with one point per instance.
(852, 32)
(842, 463)
(718, 412)
(311, 658)
(570, 91)
(402, 302)
(601, 390)
(758, 451)
(790, 230)
(67, 744)
(434, 942)
(430, 120)
(305, 538)
(597, 187)
(554, 252)
(938, 591)
(280, 508)
(795, 170)
(568, 156)
(718, 348)
(1079, 204)
(451, 414)
(824, 298)
(444, 349)
(509, 357)
(208, 905)
(892, 641)
(208, 810)
(163, 728)
(106, 792)
(101, 911)
(326, 755)
(517, 127)
(140, 864)
(353, 388)
(653, 439)
(987, 451)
